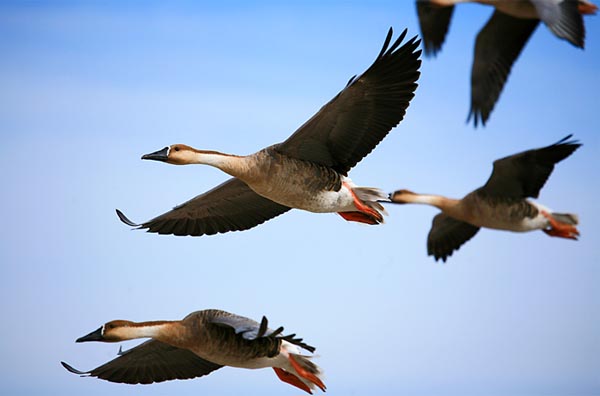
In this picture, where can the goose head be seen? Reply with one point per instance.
(176, 154)
(402, 196)
(113, 331)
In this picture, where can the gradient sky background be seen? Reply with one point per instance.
(87, 88)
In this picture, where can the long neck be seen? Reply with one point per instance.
(443, 203)
(232, 164)
(159, 330)
(447, 3)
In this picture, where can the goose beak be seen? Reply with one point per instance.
(160, 155)
(95, 335)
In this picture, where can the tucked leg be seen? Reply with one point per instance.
(587, 8)
(358, 217)
(291, 379)
(365, 214)
(305, 374)
(558, 229)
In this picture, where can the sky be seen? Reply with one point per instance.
(88, 87)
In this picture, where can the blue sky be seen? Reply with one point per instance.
(87, 88)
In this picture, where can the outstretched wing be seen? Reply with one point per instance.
(447, 235)
(563, 19)
(252, 330)
(231, 206)
(498, 46)
(524, 174)
(152, 361)
(350, 126)
(434, 21)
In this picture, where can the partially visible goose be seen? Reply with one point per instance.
(501, 203)
(202, 342)
(309, 170)
(501, 40)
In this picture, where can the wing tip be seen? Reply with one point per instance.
(125, 219)
(568, 141)
(439, 256)
(479, 116)
(291, 338)
(387, 50)
(73, 370)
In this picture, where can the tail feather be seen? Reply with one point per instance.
(567, 218)
(371, 194)
(371, 197)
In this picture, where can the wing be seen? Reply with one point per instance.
(434, 21)
(563, 19)
(447, 235)
(350, 126)
(246, 327)
(524, 174)
(231, 206)
(152, 361)
(498, 45)
(252, 330)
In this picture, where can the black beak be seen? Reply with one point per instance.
(95, 335)
(160, 155)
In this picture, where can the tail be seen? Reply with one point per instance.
(367, 201)
(566, 218)
(561, 225)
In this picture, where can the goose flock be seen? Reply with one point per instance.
(309, 171)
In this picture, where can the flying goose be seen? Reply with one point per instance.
(201, 343)
(501, 203)
(308, 170)
(501, 40)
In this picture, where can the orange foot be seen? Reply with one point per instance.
(291, 379)
(587, 8)
(359, 217)
(306, 375)
(558, 229)
(365, 214)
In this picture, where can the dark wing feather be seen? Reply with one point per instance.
(447, 235)
(498, 46)
(524, 174)
(231, 206)
(434, 21)
(350, 126)
(563, 19)
(251, 330)
(152, 361)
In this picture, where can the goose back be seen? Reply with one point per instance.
(504, 213)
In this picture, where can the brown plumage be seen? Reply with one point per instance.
(202, 342)
(308, 170)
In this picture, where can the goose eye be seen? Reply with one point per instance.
(176, 148)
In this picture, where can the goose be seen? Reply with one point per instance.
(502, 39)
(501, 203)
(201, 343)
(309, 170)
